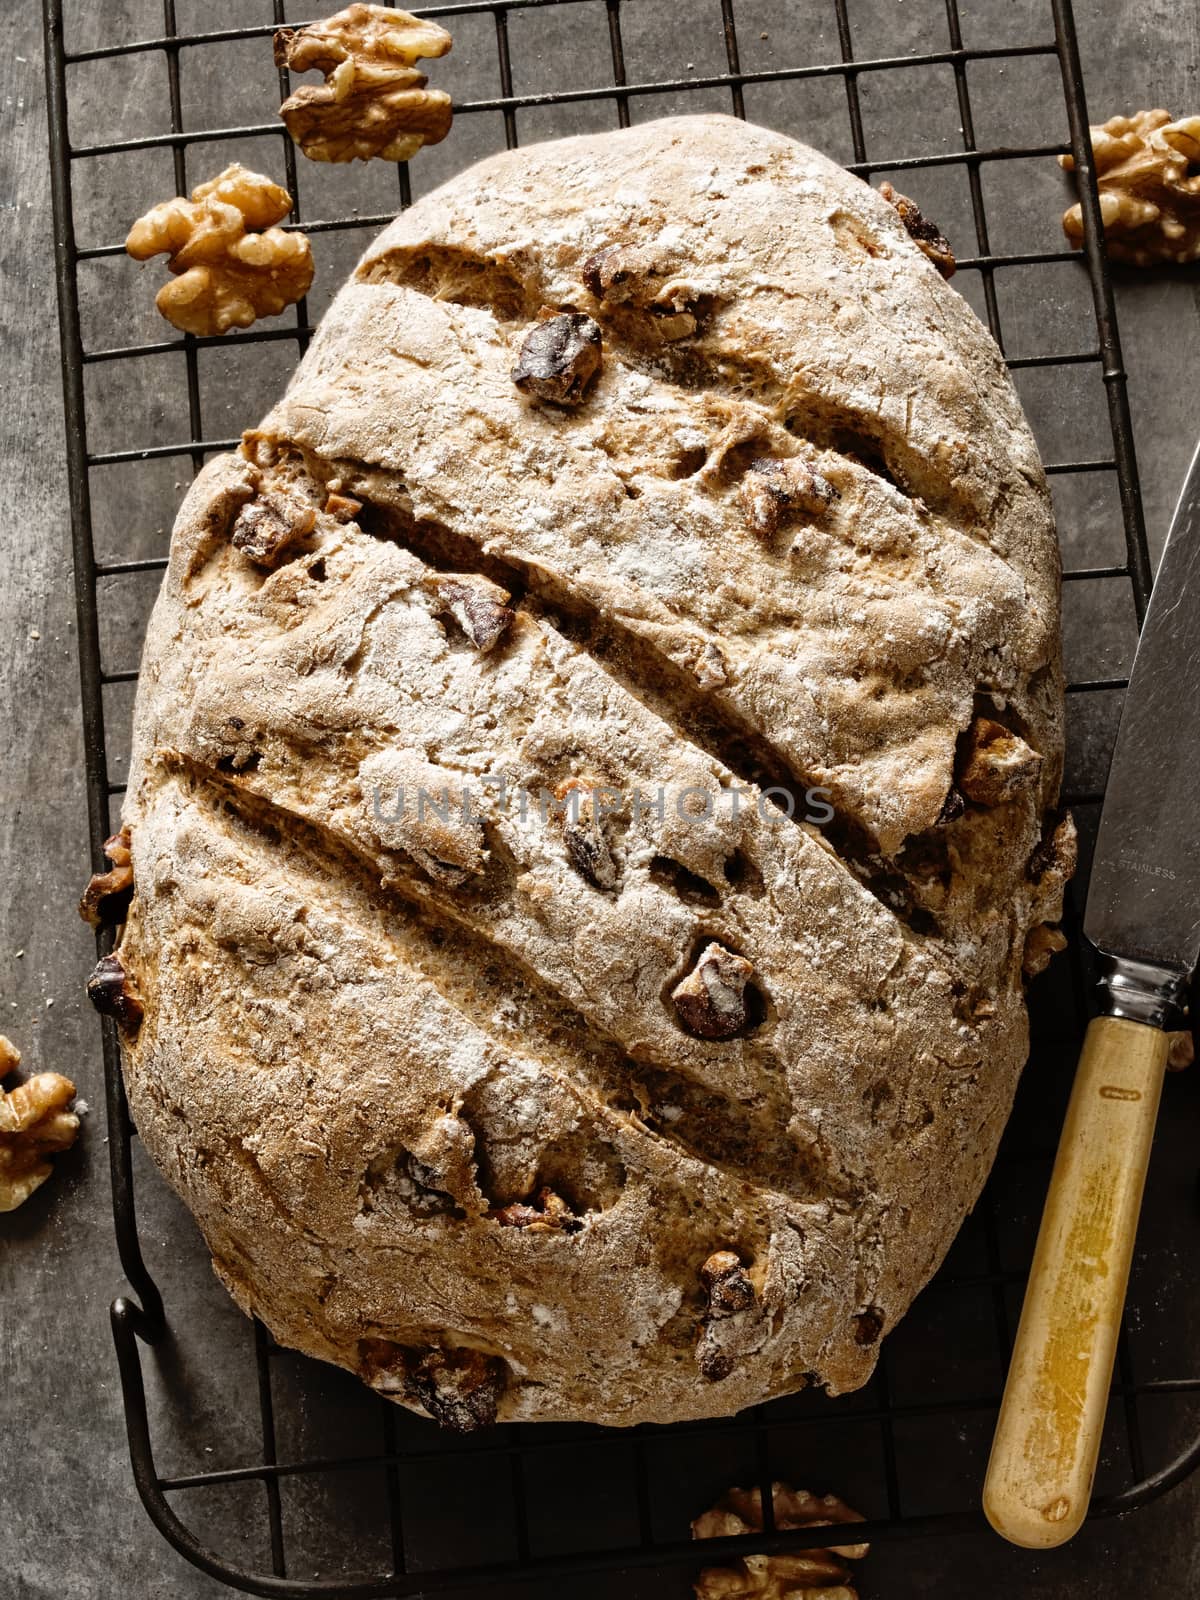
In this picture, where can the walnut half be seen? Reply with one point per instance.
(812, 1573)
(374, 101)
(34, 1123)
(1146, 171)
(231, 263)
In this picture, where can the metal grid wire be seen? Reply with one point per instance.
(909, 1448)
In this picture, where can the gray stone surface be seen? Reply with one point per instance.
(73, 1526)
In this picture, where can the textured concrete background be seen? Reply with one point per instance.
(73, 1528)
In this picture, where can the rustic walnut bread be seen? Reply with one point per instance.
(633, 1099)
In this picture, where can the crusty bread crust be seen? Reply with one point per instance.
(425, 1079)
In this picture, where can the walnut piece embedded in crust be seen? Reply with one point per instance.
(711, 1000)
(560, 355)
(1042, 945)
(479, 607)
(266, 528)
(107, 896)
(112, 993)
(547, 1212)
(774, 488)
(819, 1573)
(460, 1389)
(1149, 188)
(647, 277)
(996, 765)
(231, 264)
(342, 507)
(374, 101)
(1053, 861)
(868, 1325)
(733, 1326)
(583, 832)
(953, 806)
(729, 1289)
(34, 1123)
(926, 235)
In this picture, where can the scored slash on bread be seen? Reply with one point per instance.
(375, 1036)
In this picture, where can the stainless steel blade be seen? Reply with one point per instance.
(1144, 900)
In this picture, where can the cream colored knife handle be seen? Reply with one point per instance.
(1039, 1478)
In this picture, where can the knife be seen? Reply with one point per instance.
(1143, 917)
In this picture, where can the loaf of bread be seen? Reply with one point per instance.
(589, 826)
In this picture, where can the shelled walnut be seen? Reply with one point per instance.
(816, 1572)
(374, 101)
(231, 263)
(34, 1124)
(1146, 172)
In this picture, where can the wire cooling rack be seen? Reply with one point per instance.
(295, 1480)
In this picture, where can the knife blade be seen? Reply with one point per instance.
(1143, 916)
(1143, 905)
